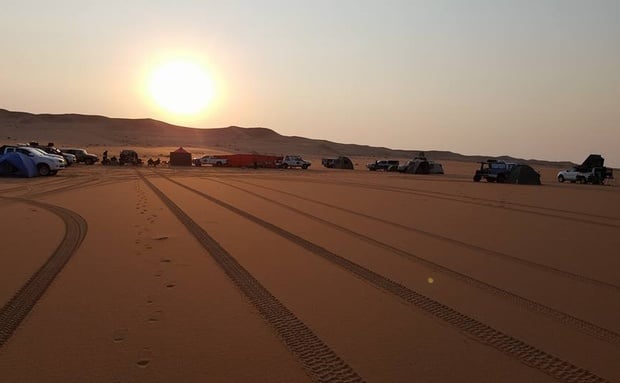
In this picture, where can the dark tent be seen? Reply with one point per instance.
(337, 163)
(523, 174)
(342, 163)
(180, 157)
(17, 164)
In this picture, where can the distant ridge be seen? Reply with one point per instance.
(93, 130)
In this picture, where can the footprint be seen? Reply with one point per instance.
(165, 261)
(143, 363)
(119, 335)
(170, 285)
(161, 238)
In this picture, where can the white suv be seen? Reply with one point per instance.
(47, 164)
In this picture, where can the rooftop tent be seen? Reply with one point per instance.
(524, 175)
(180, 157)
(593, 161)
(17, 164)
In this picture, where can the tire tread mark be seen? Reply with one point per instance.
(581, 325)
(493, 253)
(18, 307)
(319, 361)
(463, 200)
(525, 353)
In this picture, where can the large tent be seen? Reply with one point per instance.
(421, 165)
(180, 157)
(17, 164)
(523, 174)
(338, 163)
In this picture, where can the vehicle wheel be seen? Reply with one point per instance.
(284, 166)
(197, 163)
(560, 178)
(304, 166)
(477, 178)
(500, 179)
(89, 162)
(44, 170)
(218, 163)
(489, 179)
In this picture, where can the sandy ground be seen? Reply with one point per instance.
(235, 275)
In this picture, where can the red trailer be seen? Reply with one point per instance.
(251, 160)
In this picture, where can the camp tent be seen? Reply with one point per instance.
(338, 163)
(180, 157)
(421, 165)
(17, 164)
(523, 174)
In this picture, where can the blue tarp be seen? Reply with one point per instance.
(17, 164)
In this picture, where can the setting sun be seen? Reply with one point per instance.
(181, 87)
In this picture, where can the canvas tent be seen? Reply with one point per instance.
(420, 165)
(338, 163)
(17, 164)
(180, 157)
(523, 174)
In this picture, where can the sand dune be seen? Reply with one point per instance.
(205, 274)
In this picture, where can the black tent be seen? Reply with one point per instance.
(343, 163)
(523, 174)
(337, 163)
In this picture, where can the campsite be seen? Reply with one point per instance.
(151, 273)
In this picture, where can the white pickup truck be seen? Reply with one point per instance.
(293, 162)
(210, 160)
(47, 164)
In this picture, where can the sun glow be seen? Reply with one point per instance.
(182, 88)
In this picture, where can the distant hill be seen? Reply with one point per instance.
(88, 130)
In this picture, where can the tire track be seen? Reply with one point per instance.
(18, 307)
(320, 362)
(481, 202)
(529, 355)
(571, 321)
(480, 249)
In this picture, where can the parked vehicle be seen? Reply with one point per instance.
(46, 164)
(210, 160)
(494, 171)
(293, 161)
(385, 165)
(129, 157)
(591, 171)
(51, 149)
(82, 155)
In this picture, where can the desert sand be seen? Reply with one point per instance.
(243, 275)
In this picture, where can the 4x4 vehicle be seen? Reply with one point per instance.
(129, 157)
(81, 155)
(210, 160)
(293, 162)
(47, 164)
(50, 149)
(387, 165)
(494, 170)
(592, 171)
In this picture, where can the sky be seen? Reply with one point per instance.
(528, 78)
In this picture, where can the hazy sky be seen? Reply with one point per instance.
(535, 79)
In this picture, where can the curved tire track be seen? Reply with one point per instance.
(484, 250)
(573, 322)
(14, 311)
(321, 363)
(529, 355)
